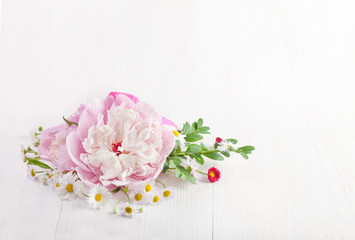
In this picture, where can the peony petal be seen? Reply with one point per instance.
(168, 122)
(133, 98)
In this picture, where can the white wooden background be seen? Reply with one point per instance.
(276, 74)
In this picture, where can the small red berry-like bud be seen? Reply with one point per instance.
(219, 140)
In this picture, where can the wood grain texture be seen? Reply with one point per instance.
(276, 74)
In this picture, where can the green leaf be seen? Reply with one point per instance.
(191, 178)
(193, 137)
(232, 140)
(186, 128)
(193, 126)
(226, 154)
(214, 156)
(185, 173)
(193, 148)
(126, 189)
(166, 166)
(244, 155)
(198, 157)
(247, 149)
(70, 122)
(40, 164)
(204, 129)
(177, 173)
(116, 190)
(203, 146)
(200, 123)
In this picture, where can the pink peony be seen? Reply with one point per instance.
(53, 144)
(119, 141)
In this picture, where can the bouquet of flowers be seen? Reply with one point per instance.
(120, 144)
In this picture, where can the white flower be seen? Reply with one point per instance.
(181, 138)
(225, 146)
(167, 193)
(139, 197)
(33, 173)
(54, 179)
(148, 188)
(190, 162)
(155, 198)
(98, 196)
(127, 210)
(35, 137)
(69, 186)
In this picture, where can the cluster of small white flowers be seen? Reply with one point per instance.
(151, 195)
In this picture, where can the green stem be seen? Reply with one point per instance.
(160, 183)
(202, 152)
(117, 203)
(83, 193)
(201, 172)
(129, 199)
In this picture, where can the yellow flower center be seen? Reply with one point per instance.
(176, 133)
(148, 188)
(128, 210)
(33, 174)
(57, 185)
(166, 193)
(69, 187)
(98, 197)
(138, 197)
(49, 176)
(212, 174)
(228, 146)
(155, 199)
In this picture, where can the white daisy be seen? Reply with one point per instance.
(69, 186)
(35, 137)
(98, 197)
(33, 173)
(181, 138)
(128, 210)
(148, 188)
(54, 179)
(225, 146)
(46, 177)
(139, 197)
(190, 162)
(167, 193)
(155, 198)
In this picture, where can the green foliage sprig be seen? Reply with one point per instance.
(187, 145)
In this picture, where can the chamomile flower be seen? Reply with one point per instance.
(155, 198)
(127, 210)
(148, 188)
(181, 138)
(167, 193)
(69, 186)
(224, 145)
(35, 137)
(190, 162)
(46, 178)
(33, 173)
(138, 197)
(98, 197)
